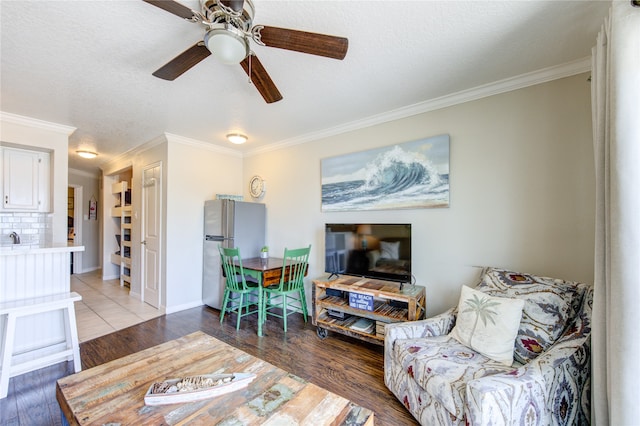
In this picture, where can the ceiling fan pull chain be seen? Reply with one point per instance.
(250, 55)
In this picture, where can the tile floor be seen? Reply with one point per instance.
(106, 307)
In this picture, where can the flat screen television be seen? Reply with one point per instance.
(372, 250)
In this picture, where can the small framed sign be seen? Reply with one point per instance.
(361, 301)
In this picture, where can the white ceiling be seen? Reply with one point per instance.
(88, 64)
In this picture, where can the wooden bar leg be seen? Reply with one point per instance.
(8, 339)
(71, 330)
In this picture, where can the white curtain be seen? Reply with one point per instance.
(615, 383)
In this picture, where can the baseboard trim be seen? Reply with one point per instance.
(185, 306)
(85, 270)
(110, 277)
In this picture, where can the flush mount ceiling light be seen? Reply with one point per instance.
(87, 154)
(237, 138)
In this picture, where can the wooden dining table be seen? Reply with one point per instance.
(266, 271)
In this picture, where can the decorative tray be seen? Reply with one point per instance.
(195, 388)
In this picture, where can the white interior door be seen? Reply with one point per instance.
(151, 233)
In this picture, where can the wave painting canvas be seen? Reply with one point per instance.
(408, 175)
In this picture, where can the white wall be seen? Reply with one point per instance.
(195, 174)
(522, 193)
(31, 133)
(521, 179)
(90, 228)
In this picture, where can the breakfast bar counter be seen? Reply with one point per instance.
(19, 249)
(33, 271)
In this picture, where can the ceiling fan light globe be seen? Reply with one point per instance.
(228, 47)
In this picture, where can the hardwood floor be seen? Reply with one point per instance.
(345, 366)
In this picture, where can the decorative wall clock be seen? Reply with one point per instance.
(257, 187)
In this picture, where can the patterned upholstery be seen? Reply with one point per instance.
(442, 382)
(546, 311)
(442, 366)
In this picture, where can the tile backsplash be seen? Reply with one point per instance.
(34, 228)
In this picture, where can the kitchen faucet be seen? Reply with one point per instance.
(15, 237)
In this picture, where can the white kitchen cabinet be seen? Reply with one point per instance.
(25, 180)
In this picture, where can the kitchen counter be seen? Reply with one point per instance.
(20, 249)
(31, 271)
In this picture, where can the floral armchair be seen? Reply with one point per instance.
(444, 382)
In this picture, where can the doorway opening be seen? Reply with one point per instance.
(118, 228)
(74, 225)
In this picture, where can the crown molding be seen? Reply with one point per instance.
(514, 83)
(124, 160)
(202, 145)
(35, 123)
(502, 86)
(125, 157)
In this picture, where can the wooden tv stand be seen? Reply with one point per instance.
(391, 303)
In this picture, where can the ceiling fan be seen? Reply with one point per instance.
(229, 25)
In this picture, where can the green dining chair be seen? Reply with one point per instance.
(238, 292)
(288, 295)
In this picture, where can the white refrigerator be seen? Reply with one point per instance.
(229, 223)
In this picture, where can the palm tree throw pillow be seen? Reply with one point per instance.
(487, 324)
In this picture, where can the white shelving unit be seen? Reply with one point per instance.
(121, 213)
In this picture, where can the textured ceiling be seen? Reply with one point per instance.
(88, 64)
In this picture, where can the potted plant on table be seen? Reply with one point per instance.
(264, 252)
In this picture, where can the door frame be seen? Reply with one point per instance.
(78, 223)
(143, 274)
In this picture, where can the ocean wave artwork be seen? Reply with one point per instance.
(408, 175)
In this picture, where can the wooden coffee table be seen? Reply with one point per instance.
(113, 393)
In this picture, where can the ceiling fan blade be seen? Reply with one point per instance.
(260, 78)
(174, 7)
(235, 5)
(183, 62)
(302, 41)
